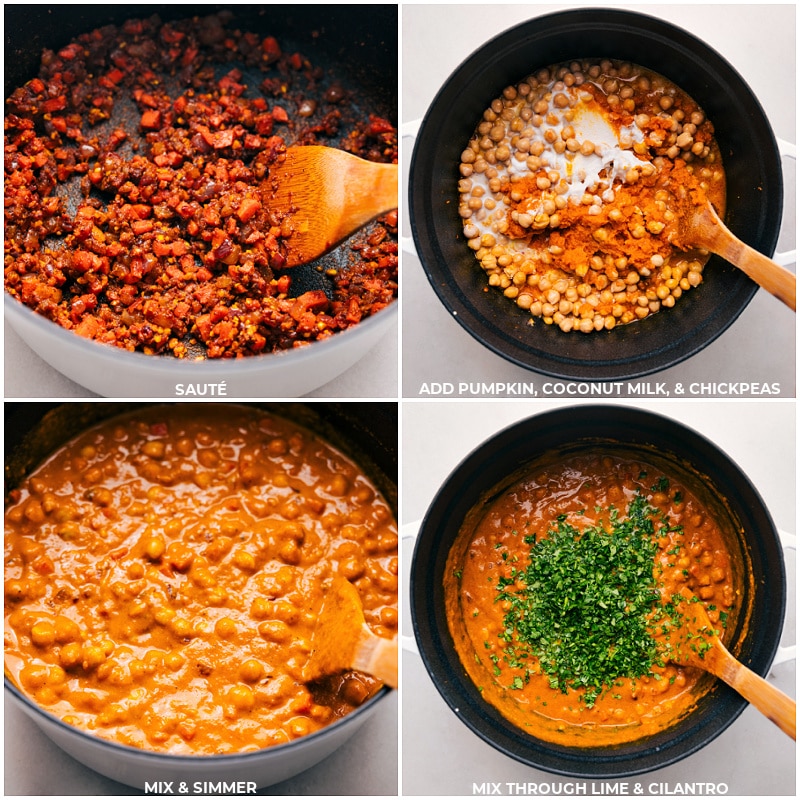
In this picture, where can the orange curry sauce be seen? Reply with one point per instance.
(491, 545)
(164, 570)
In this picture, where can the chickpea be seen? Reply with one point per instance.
(182, 628)
(33, 676)
(389, 617)
(65, 630)
(241, 697)
(92, 656)
(225, 628)
(299, 727)
(274, 631)
(154, 547)
(244, 560)
(251, 671)
(16, 590)
(174, 661)
(43, 634)
(155, 449)
(290, 553)
(180, 556)
(34, 512)
(70, 655)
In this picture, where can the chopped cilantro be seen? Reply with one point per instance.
(661, 485)
(589, 603)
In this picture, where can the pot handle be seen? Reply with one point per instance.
(786, 653)
(408, 533)
(409, 130)
(787, 150)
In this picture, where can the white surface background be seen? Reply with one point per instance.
(441, 756)
(758, 40)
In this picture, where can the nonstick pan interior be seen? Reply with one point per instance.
(750, 156)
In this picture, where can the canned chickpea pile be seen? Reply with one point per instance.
(572, 190)
(165, 570)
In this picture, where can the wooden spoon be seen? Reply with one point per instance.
(326, 194)
(702, 227)
(342, 640)
(694, 641)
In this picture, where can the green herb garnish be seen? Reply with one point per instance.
(587, 605)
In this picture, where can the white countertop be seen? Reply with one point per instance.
(441, 756)
(758, 40)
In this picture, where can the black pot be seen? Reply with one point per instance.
(752, 537)
(754, 193)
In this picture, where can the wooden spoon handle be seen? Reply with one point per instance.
(367, 190)
(771, 702)
(777, 280)
(378, 657)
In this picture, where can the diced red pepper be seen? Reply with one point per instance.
(133, 27)
(54, 104)
(88, 327)
(142, 226)
(271, 48)
(248, 208)
(264, 123)
(69, 52)
(83, 260)
(162, 249)
(314, 300)
(151, 120)
(189, 55)
(171, 36)
(59, 124)
(222, 139)
(379, 125)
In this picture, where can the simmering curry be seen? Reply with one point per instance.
(165, 569)
(559, 596)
